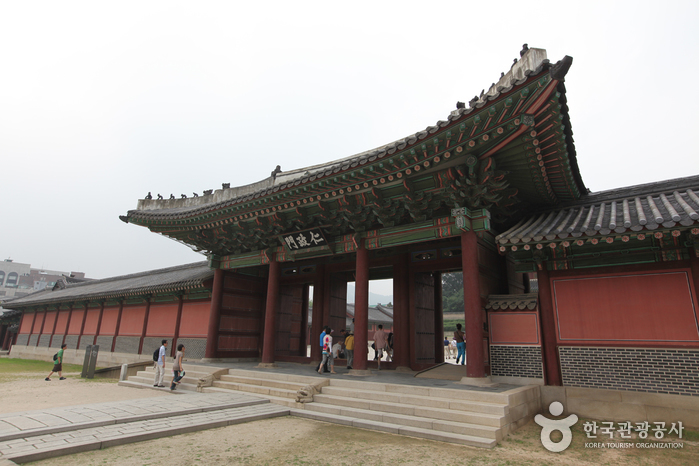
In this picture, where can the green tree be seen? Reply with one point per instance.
(453, 292)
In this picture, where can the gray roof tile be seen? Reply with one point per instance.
(154, 281)
(644, 207)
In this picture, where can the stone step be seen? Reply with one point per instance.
(135, 382)
(462, 428)
(495, 409)
(271, 383)
(150, 372)
(95, 438)
(63, 419)
(282, 401)
(278, 376)
(167, 379)
(256, 389)
(409, 431)
(417, 390)
(481, 419)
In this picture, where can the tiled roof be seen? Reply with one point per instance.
(532, 63)
(154, 281)
(512, 301)
(650, 206)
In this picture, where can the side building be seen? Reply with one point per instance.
(126, 316)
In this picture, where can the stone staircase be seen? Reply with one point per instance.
(468, 417)
(144, 378)
(276, 387)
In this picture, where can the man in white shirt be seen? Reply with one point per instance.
(160, 365)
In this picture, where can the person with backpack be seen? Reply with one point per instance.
(58, 364)
(177, 370)
(327, 352)
(160, 364)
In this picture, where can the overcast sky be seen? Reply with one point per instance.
(101, 102)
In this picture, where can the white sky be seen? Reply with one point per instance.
(101, 102)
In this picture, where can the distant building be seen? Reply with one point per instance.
(17, 279)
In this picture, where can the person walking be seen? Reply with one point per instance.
(327, 352)
(380, 340)
(58, 364)
(349, 349)
(447, 348)
(177, 371)
(325, 331)
(160, 365)
(460, 345)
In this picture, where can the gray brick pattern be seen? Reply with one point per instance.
(86, 340)
(151, 344)
(195, 348)
(72, 341)
(22, 339)
(516, 361)
(57, 340)
(44, 340)
(105, 343)
(32, 340)
(672, 371)
(127, 345)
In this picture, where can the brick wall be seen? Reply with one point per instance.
(22, 339)
(672, 371)
(516, 361)
(194, 348)
(57, 341)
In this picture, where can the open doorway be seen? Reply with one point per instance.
(453, 313)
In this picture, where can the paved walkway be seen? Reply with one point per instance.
(34, 435)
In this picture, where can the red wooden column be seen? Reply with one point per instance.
(361, 308)
(548, 327)
(401, 306)
(99, 323)
(55, 321)
(70, 315)
(214, 315)
(438, 320)
(41, 330)
(473, 316)
(145, 326)
(82, 325)
(31, 329)
(317, 312)
(180, 303)
(271, 311)
(118, 324)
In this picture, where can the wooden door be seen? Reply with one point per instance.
(290, 321)
(424, 318)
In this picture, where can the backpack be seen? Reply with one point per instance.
(156, 355)
(55, 357)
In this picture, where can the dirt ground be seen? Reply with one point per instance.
(296, 441)
(29, 391)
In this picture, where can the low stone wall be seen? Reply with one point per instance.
(75, 356)
(621, 405)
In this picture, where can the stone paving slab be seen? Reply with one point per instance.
(48, 446)
(55, 420)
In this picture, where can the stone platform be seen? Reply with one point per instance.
(35, 435)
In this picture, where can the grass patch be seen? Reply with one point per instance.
(18, 366)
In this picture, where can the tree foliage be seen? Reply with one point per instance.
(453, 292)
